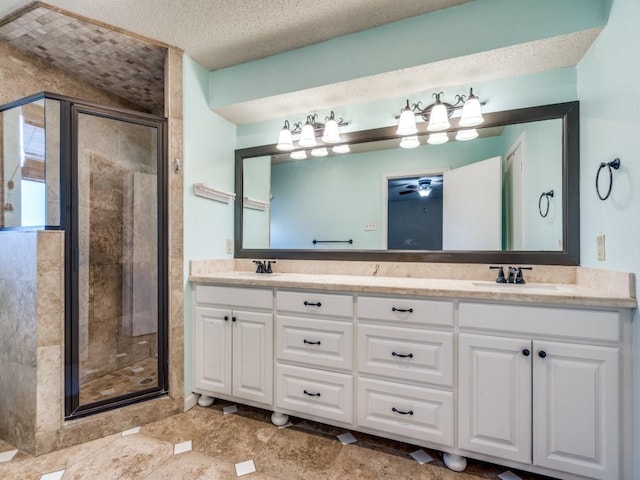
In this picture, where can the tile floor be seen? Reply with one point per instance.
(205, 443)
(139, 376)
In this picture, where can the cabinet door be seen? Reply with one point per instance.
(494, 388)
(253, 356)
(576, 409)
(212, 350)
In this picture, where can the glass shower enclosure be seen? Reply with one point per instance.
(99, 174)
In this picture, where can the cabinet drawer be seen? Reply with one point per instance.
(407, 410)
(595, 325)
(424, 356)
(315, 303)
(312, 392)
(235, 296)
(405, 310)
(324, 343)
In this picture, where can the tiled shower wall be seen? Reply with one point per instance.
(18, 342)
(41, 423)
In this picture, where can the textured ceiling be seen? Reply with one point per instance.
(220, 33)
(121, 64)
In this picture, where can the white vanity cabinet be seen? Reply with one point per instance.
(405, 348)
(541, 386)
(233, 343)
(314, 349)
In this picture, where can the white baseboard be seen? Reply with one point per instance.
(190, 401)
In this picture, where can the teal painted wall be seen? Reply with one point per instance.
(209, 144)
(609, 122)
(473, 27)
(256, 181)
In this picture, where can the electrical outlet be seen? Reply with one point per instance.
(369, 227)
(229, 245)
(600, 248)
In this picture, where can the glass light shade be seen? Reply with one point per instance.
(407, 123)
(424, 192)
(438, 138)
(410, 142)
(307, 136)
(464, 135)
(341, 149)
(319, 152)
(285, 141)
(299, 155)
(438, 118)
(471, 112)
(331, 132)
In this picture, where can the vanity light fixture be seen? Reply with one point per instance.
(438, 138)
(319, 152)
(308, 134)
(299, 155)
(410, 142)
(438, 114)
(471, 111)
(341, 149)
(407, 122)
(330, 132)
(464, 135)
(285, 139)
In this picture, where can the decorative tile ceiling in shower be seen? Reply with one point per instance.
(121, 64)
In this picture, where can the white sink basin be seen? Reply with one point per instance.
(512, 287)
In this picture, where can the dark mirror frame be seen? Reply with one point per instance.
(569, 112)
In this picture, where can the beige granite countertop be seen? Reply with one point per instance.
(470, 289)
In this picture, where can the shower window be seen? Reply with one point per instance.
(23, 162)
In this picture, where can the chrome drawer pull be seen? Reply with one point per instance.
(310, 304)
(309, 342)
(402, 310)
(402, 355)
(395, 410)
(308, 394)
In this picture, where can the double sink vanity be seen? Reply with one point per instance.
(534, 376)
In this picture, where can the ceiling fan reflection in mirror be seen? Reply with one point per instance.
(421, 186)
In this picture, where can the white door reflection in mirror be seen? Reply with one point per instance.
(472, 207)
(514, 196)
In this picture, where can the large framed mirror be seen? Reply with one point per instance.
(511, 195)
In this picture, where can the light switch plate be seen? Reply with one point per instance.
(229, 248)
(369, 227)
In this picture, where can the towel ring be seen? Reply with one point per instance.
(612, 165)
(544, 195)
